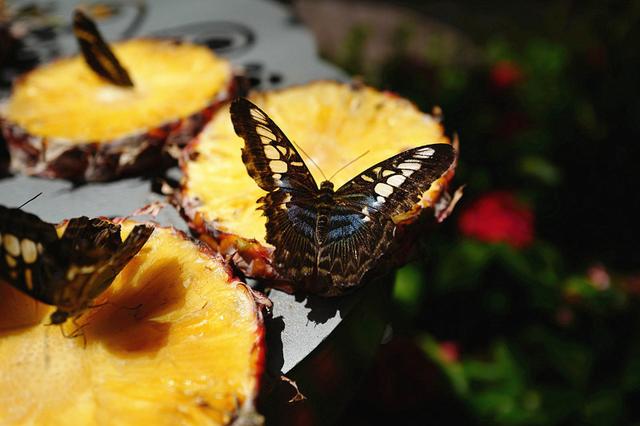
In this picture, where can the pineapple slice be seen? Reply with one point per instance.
(64, 121)
(174, 340)
(333, 123)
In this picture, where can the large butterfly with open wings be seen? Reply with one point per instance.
(326, 239)
(67, 271)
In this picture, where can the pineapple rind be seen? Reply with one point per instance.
(177, 341)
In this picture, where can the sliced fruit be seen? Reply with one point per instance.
(332, 123)
(64, 121)
(174, 340)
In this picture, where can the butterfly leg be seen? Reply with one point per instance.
(99, 305)
(131, 308)
(77, 332)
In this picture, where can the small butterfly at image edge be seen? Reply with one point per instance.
(325, 239)
(67, 271)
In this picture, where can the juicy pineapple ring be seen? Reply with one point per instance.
(174, 340)
(66, 99)
(333, 123)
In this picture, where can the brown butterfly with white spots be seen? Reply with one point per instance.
(326, 240)
(66, 271)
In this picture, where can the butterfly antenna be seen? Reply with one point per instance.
(349, 163)
(30, 200)
(310, 159)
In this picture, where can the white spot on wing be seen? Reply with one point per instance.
(265, 135)
(365, 212)
(366, 178)
(407, 173)
(410, 166)
(271, 152)
(29, 250)
(278, 166)
(386, 173)
(72, 272)
(256, 114)
(11, 245)
(396, 180)
(383, 189)
(28, 278)
(287, 198)
(10, 261)
(424, 153)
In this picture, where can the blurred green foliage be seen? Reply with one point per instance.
(548, 333)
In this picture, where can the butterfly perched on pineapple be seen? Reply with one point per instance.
(326, 240)
(66, 271)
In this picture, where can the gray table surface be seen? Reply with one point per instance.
(277, 45)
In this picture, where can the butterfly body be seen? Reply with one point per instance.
(66, 271)
(326, 240)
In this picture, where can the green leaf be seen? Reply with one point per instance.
(540, 169)
(462, 266)
(409, 289)
(453, 370)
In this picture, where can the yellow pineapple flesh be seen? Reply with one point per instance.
(66, 99)
(174, 340)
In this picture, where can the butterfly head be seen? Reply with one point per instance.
(58, 317)
(326, 186)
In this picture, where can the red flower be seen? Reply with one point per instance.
(449, 351)
(505, 74)
(498, 217)
(599, 276)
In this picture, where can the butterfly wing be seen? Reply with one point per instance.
(354, 241)
(25, 241)
(395, 185)
(273, 162)
(271, 159)
(94, 255)
(361, 226)
(97, 53)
